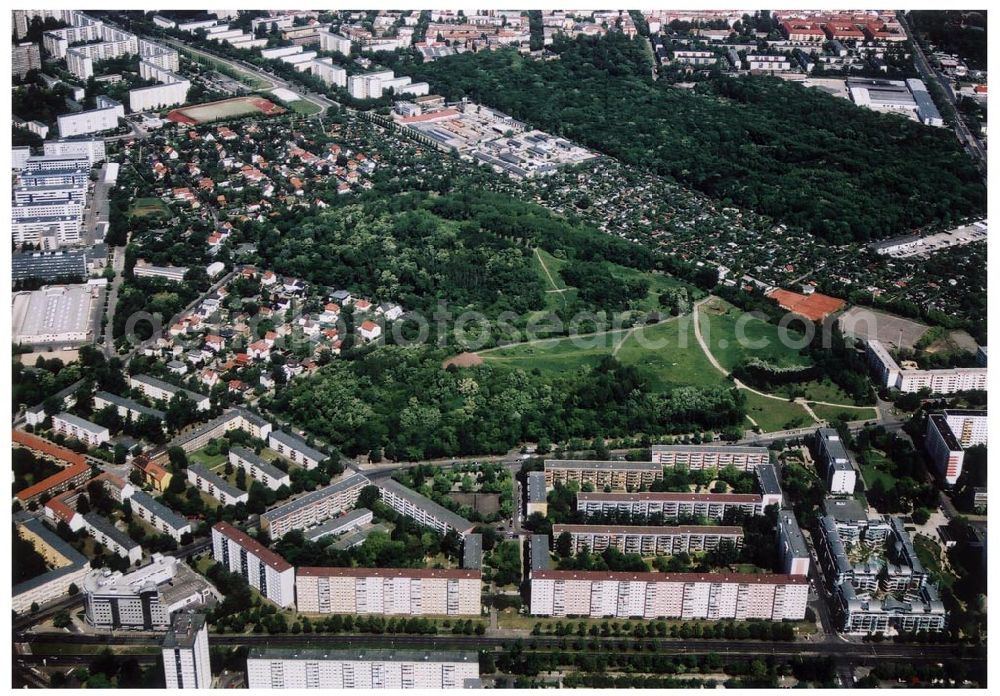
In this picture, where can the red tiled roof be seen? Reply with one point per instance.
(77, 464)
(390, 572)
(253, 546)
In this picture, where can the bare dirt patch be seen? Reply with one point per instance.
(462, 360)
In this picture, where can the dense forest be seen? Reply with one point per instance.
(804, 157)
(955, 31)
(402, 401)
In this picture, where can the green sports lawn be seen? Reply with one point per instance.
(733, 335)
(831, 413)
(772, 414)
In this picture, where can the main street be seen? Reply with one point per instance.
(857, 653)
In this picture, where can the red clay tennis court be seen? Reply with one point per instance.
(813, 307)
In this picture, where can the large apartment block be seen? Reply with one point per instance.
(598, 594)
(889, 374)
(216, 486)
(649, 541)
(792, 550)
(284, 668)
(315, 507)
(159, 516)
(390, 591)
(264, 570)
(83, 430)
(671, 506)
(948, 434)
(600, 474)
(158, 390)
(186, 660)
(421, 509)
(841, 476)
(257, 469)
(295, 449)
(698, 457)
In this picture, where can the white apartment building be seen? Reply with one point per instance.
(422, 509)
(339, 525)
(620, 475)
(50, 192)
(944, 381)
(698, 457)
(274, 668)
(328, 41)
(60, 156)
(67, 567)
(331, 74)
(257, 469)
(294, 449)
(47, 232)
(671, 506)
(159, 516)
(107, 534)
(96, 120)
(947, 436)
(649, 541)
(280, 52)
(144, 269)
(770, 63)
(186, 660)
(389, 591)
(83, 430)
(158, 390)
(711, 596)
(695, 57)
(841, 476)
(126, 408)
(314, 507)
(792, 550)
(264, 570)
(216, 486)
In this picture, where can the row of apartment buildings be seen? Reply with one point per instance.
(889, 374)
(649, 541)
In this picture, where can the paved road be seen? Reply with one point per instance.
(856, 652)
(965, 136)
(118, 266)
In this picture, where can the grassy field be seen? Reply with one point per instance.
(771, 414)
(208, 460)
(304, 107)
(142, 207)
(875, 469)
(246, 78)
(734, 335)
(666, 354)
(830, 413)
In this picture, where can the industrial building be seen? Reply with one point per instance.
(711, 596)
(389, 591)
(58, 314)
(314, 507)
(294, 668)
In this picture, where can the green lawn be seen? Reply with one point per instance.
(142, 207)
(209, 461)
(304, 106)
(876, 468)
(734, 335)
(667, 354)
(830, 413)
(658, 283)
(772, 414)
